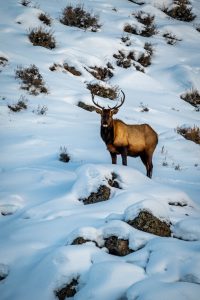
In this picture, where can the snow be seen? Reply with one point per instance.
(40, 209)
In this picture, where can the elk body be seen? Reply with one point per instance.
(127, 140)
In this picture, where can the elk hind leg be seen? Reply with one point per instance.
(147, 161)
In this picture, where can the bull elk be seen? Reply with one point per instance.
(126, 140)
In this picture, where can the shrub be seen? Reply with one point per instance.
(64, 156)
(101, 73)
(78, 17)
(145, 58)
(86, 106)
(32, 80)
(42, 37)
(148, 21)
(20, 105)
(192, 134)
(25, 2)
(45, 18)
(181, 11)
(144, 108)
(198, 28)
(192, 97)
(3, 62)
(101, 91)
(72, 70)
(170, 38)
(41, 110)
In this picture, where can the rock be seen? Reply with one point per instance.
(69, 290)
(102, 194)
(147, 222)
(117, 246)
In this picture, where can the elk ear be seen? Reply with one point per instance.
(115, 111)
(99, 111)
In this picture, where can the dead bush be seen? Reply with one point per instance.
(123, 60)
(171, 38)
(181, 11)
(198, 28)
(148, 21)
(102, 194)
(25, 2)
(68, 290)
(45, 18)
(192, 97)
(116, 246)
(41, 110)
(78, 17)
(64, 156)
(3, 62)
(130, 29)
(190, 133)
(20, 105)
(100, 73)
(114, 181)
(32, 80)
(145, 58)
(86, 106)
(102, 91)
(72, 70)
(147, 222)
(42, 37)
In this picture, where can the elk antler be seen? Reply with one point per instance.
(115, 107)
(95, 103)
(122, 101)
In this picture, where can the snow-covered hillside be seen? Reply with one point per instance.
(42, 210)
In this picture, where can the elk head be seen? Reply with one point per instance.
(107, 113)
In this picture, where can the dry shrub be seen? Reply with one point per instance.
(78, 17)
(64, 156)
(192, 97)
(190, 133)
(148, 21)
(72, 70)
(32, 80)
(45, 18)
(101, 91)
(68, 290)
(123, 60)
(42, 37)
(101, 73)
(130, 29)
(86, 106)
(25, 2)
(171, 38)
(181, 11)
(3, 62)
(114, 181)
(147, 222)
(20, 105)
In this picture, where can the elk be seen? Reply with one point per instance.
(126, 140)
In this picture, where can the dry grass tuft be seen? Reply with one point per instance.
(190, 133)
(42, 37)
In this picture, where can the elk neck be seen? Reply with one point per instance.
(107, 133)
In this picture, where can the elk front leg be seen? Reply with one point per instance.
(123, 152)
(114, 158)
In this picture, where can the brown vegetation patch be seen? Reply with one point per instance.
(64, 156)
(171, 38)
(147, 222)
(67, 291)
(114, 181)
(192, 134)
(3, 62)
(123, 60)
(20, 105)
(101, 91)
(182, 11)
(45, 18)
(149, 26)
(192, 97)
(101, 73)
(72, 70)
(32, 80)
(42, 37)
(78, 17)
(86, 106)
(102, 194)
(116, 246)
